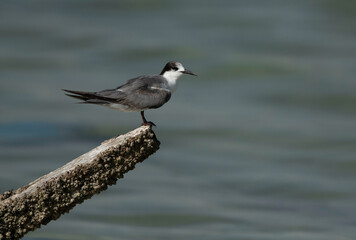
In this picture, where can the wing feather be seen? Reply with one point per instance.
(146, 97)
(144, 92)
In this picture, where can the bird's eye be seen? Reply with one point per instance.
(175, 68)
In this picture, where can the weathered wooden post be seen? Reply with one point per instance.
(56, 193)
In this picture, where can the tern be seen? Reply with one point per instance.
(137, 94)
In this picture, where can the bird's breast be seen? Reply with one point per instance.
(172, 84)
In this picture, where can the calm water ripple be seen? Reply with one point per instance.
(261, 145)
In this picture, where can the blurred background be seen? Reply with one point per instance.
(261, 145)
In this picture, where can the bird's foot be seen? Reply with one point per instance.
(148, 124)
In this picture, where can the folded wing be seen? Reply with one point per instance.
(138, 94)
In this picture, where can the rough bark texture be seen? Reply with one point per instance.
(56, 193)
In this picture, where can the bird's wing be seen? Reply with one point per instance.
(139, 93)
(145, 92)
(146, 97)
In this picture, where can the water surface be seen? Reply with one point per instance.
(261, 145)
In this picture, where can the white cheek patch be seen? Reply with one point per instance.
(170, 75)
(180, 68)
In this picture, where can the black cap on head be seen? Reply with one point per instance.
(176, 66)
(172, 65)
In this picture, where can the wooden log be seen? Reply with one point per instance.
(56, 193)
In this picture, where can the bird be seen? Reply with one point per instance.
(137, 94)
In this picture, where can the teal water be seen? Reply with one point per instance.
(261, 145)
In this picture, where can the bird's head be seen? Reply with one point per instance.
(173, 70)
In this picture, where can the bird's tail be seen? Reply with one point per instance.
(88, 97)
(84, 96)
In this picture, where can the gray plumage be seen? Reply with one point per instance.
(140, 93)
(137, 94)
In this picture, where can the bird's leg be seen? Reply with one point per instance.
(144, 121)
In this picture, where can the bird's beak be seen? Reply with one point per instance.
(188, 72)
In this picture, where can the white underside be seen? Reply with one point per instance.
(122, 108)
